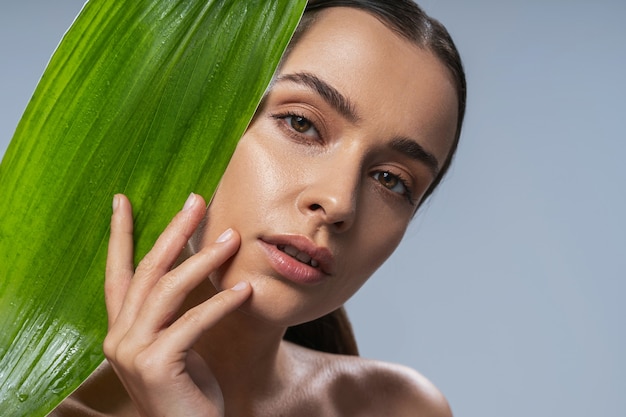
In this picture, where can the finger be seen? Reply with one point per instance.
(160, 258)
(162, 305)
(184, 332)
(170, 243)
(119, 265)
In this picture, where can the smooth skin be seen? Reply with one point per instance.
(328, 179)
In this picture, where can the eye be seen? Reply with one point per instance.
(394, 183)
(300, 125)
(390, 181)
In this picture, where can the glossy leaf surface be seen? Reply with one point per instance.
(143, 97)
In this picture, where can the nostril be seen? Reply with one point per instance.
(315, 207)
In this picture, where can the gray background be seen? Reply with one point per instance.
(508, 289)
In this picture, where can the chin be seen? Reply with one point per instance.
(280, 303)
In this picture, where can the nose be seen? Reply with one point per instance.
(330, 197)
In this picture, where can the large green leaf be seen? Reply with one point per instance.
(144, 97)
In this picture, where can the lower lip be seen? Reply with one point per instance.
(290, 268)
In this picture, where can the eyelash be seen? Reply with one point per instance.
(408, 194)
(282, 118)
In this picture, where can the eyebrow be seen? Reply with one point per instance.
(416, 152)
(330, 94)
(345, 107)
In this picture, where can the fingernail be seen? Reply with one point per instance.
(240, 286)
(190, 202)
(225, 236)
(116, 202)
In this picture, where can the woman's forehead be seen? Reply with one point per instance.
(387, 79)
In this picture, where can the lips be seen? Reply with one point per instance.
(298, 259)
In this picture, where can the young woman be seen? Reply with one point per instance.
(358, 127)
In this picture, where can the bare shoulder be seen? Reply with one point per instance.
(404, 391)
(364, 387)
(102, 394)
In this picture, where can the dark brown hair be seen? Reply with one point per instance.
(333, 332)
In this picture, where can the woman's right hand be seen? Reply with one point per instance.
(149, 343)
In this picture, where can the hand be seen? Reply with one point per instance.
(149, 344)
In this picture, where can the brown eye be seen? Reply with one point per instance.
(393, 183)
(299, 128)
(388, 180)
(300, 124)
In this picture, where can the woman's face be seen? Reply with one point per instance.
(326, 179)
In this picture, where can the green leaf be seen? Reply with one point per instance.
(144, 97)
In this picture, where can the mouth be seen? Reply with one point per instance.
(299, 255)
(302, 251)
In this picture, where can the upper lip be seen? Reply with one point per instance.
(320, 254)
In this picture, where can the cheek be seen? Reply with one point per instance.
(382, 224)
(384, 241)
(374, 242)
(255, 181)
